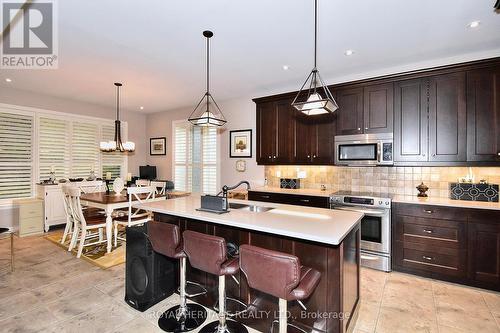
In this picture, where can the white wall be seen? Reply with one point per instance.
(136, 121)
(240, 114)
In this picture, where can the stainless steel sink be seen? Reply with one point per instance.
(250, 208)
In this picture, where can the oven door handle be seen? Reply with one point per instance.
(364, 211)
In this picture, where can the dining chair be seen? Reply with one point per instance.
(142, 182)
(8, 231)
(160, 187)
(91, 186)
(82, 224)
(68, 229)
(136, 195)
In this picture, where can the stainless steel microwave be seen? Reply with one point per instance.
(364, 149)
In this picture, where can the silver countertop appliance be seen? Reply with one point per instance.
(375, 225)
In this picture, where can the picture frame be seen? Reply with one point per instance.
(158, 146)
(240, 143)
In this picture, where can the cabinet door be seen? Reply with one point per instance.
(285, 132)
(350, 111)
(54, 205)
(378, 108)
(447, 118)
(410, 121)
(266, 132)
(484, 252)
(323, 139)
(302, 139)
(483, 115)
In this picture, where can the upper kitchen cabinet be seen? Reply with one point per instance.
(410, 120)
(274, 132)
(447, 118)
(378, 108)
(314, 139)
(483, 115)
(350, 111)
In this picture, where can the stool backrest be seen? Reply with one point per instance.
(91, 186)
(76, 205)
(165, 238)
(162, 186)
(274, 273)
(205, 252)
(139, 195)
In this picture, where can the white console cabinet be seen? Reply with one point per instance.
(53, 204)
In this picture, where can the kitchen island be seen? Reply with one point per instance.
(326, 240)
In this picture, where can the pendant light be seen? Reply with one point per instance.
(117, 144)
(316, 98)
(203, 114)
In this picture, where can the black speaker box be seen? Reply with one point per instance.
(149, 276)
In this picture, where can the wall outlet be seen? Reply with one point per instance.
(278, 174)
(301, 174)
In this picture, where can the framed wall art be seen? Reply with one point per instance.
(240, 143)
(158, 146)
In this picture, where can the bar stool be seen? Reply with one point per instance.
(166, 239)
(280, 275)
(209, 254)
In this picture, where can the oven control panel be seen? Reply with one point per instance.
(363, 201)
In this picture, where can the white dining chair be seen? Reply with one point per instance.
(83, 227)
(160, 187)
(136, 195)
(68, 229)
(142, 182)
(91, 186)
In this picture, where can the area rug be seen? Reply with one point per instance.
(95, 254)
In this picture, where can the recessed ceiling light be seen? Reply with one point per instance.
(141, 107)
(349, 52)
(285, 67)
(8, 80)
(474, 24)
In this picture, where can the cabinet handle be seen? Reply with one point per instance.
(423, 155)
(274, 156)
(308, 156)
(304, 200)
(428, 211)
(428, 231)
(264, 196)
(366, 128)
(427, 258)
(359, 128)
(269, 156)
(314, 156)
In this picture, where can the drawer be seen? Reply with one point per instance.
(30, 225)
(430, 232)
(433, 212)
(30, 210)
(452, 263)
(307, 200)
(263, 196)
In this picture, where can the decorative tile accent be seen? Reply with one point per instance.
(291, 183)
(474, 192)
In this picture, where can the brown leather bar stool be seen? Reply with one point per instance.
(280, 275)
(166, 240)
(209, 254)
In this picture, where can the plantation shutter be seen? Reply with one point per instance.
(195, 158)
(85, 149)
(114, 161)
(54, 148)
(15, 155)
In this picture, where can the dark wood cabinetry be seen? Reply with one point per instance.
(443, 116)
(483, 115)
(447, 118)
(410, 121)
(448, 243)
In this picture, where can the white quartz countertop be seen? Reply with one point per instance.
(437, 201)
(312, 224)
(300, 191)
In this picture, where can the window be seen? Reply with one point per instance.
(16, 162)
(33, 142)
(195, 158)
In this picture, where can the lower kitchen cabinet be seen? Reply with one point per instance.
(447, 243)
(290, 199)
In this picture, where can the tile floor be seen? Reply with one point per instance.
(52, 291)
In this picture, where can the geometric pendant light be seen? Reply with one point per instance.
(207, 113)
(117, 144)
(314, 97)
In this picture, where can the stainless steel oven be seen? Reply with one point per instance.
(364, 149)
(375, 226)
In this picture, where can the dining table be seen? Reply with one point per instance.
(110, 202)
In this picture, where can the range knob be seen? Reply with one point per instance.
(387, 203)
(380, 202)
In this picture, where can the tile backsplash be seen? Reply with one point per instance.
(395, 180)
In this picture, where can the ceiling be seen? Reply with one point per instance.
(156, 48)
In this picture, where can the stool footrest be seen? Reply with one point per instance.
(230, 314)
(201, 291)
